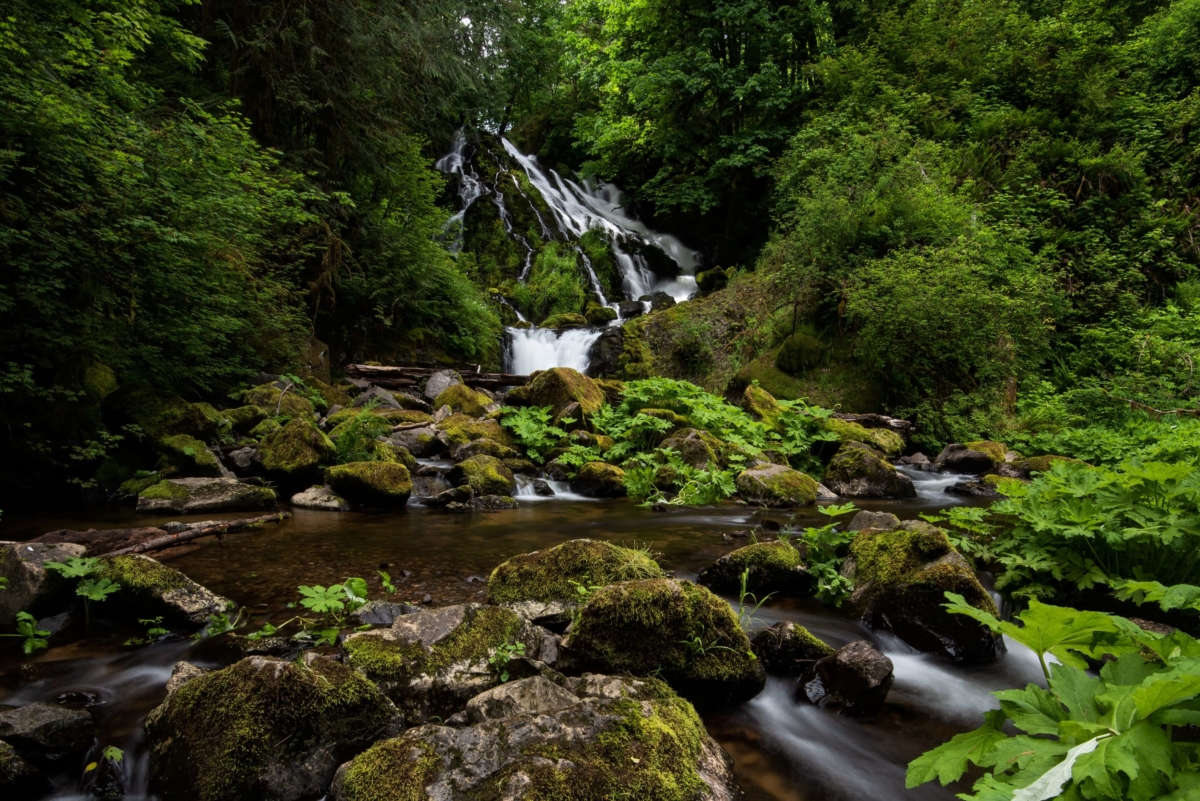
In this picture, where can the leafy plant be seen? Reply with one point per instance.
(357, 439)
(154, 631)
(698, 647)
(76, 566)
(33, 638)
(533, 428)
(824, 553)
(746, 610)
(386, 581)
(109, 752)
(90, 589)
(1179, 596)
(503, 655)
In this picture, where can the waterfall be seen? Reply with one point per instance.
(469, 186)
(532, 349)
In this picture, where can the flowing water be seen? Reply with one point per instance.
(783, 750)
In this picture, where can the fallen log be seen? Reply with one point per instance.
(224, 527)
(396, 377)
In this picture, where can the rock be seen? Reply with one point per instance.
(380, 613)
(278, 402)
(798, 353)
(695, 447)
(56, 623)
(543, 488)
(622, 738)
(855, 680)
(192, 496)
(711, 280)
(900, 581)
(293, 455)
(558, 387)
(492, 503)
(428, 485)
(463, 399)
(670, 628)
(884, 440)
(824, 493)
(159, 413)
(859, 471)
(242, 460)
(533, 696)
(544, 584)
(20, 781)
(884, 521)
(379, 397)
(105, 778)
(431, 662)
(463, 494)
(522, 467)
(264, 728)
(776, 485)
(788, 649)
(321, 498)
(599, 480)
(598, 316)
(915, 459)
(148, 585)
(405, 416)
(774, 567)
(567, 320)
(1039, 464)
(181, 674)
(438, 383)
(371, 483)
(611, 387)
(961, 459)
(47, 727)
(657, 300)
(973, 489)
(422, 443)
(189, 455)
(460, 429)
(761, 404)
(30, 587)
(485, 447)
(629, 309)
(486, 475)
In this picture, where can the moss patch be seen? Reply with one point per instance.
(266, 428)
(770, 567)
(278, 402)
(885, 440)
(142, 576)
(245, 418)
(996, 450)
(559, 387)
(374, 483)
(546, 575)
(486, 475)
(393, 770)
(189, 455)
(296, 450)
(761, 404)
(776, 485)
(461, 398)
(401, 416)
(461, 428)
(165, 491)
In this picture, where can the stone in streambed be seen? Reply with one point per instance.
(460, 429)
(788, 649)
(204, 495)
(486, 475)
(320, 498)
(293, 455)
(884, 440)
(776, 485)
(535, 695)
(31, 587)
(19, 780)
(47, 728)
(859, 471)
(278, 402)
(439, 382)
(770, 567)
(463, 399)
(371, 483)
(189, 455)
(558, 387)
(959, 458)
(599, 480)
(485, 447)
(854, 680)
(148, 585)
(695, 447)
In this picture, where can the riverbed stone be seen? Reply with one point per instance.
(47, 728)
(860, 471)
(279, 402)
(959, 458)
(789, 649)
(19, 780)
(189, 455)
(855, 680)
(148, 585)
(461, 429)
(695, 447)
(761, 404)
(599, 480)
(628, 309)
(264, 728)
(671, 628)
(191, 496)
(900, 581)
(439, 382)
(486, 447)
(884, 521)
(770, 567)
(884, 440)
(422, 442)
(535, 695)
(293, 455)
(558, 387)
(320, 498)
(485, 475)
(378, 398)
(461, 398)
(371, 483)
(31, 587)
(776, 485)
(621, 738)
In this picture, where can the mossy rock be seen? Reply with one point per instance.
(1041, 464)
(859, 471)
(198, 495)
(612, 389)
(293, 455)
(486, 447)
(133, 487)
(264, 728)
(278, 402)
(559, 387)
(463, 399)
(149, 587)
(189, 456)
(996, 450)
(670, 628)
(598, 316)
(461, 429)
(20, 780)
(789, 649)
(798, 353)
(770, 567)
(341, 416)
(245, 418)
(884, 440)
(161, 414)
(400, 455)
(711, 280)
(403, 416)
(695, 447)
(371, 483)
(677, 421)
(486, 475)
(599, 480)
(330, 394)
(776, 485)
(266, 428)
(901, 577)
(762, 404)
(565, 321)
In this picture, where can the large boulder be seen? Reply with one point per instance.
(855, 680)
(485, 475)
(695, 447)
(461, 398)
(621, 738)
(859, 471)
(669, 628)
(264, 728)
(30, 586)
(278, 400)
(901, 578)
(148, 585)
(884, 440)
(431, 662)
(159, 414)
(439, 382)
(599, 480)
(194, 496)
(559, 387)
(776, 485)
(371, 483)
(546, 583)
(959, 458)
(189, 455)
(536, 695)
(421, 442)
(770, 567)
(789, 649)
(49, 728)
(762, 404)
(605, 353)
(460, 429)
(293, 455)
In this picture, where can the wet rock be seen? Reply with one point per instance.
(485, 447)
(658, 300)
(770, 567)
(204, 495)
(884, 440)
(957, 458)
(493, 503)
(371, 483)
(788, 649)
(242, 460)
(558, 387)
(103, 540)
(230, 648)
(181, 674)
(711, 280)
(430, 485)
(511, 758)
(883, 521)
(380, 613)
(824, 493)
(606, 351)
(422, 442)
(486, 475)
(461, 495)
(776, 485)
(56, 623)
(30, 586)
(694, 447)
(859, 471)
(973, 489)
(460, 429)
(900, 580)
(439, 382)
(382, 399)
(47, 727)
(543, 488)
(461, 398)
(629, 309)
(19, 780)
(535, 695)
(106, 780)
(671, 628)
(293, 455)
(280, 399)
(521, 467)
(915, 459)
(855, 680)
(321, 498)
(147, 584)
(264, 728)
(599, 480)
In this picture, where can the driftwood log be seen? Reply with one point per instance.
(390, 377)
(117, 541)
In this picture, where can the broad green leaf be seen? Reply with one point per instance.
(1127, 669)
(1050, 784)
(948, 762)
(1164, 689)
(1076, 690)
(1033, 709)
(1100, 766)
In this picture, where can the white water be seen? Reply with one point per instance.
(931, 487)
(532, 349)
(562, 491)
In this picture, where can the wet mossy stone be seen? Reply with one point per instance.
(711, 280)
(432, 661)
(622, 738)
(996, 450)
(278, 402)
(1040, 464)
(559, 387)
(546, 583)
(762, 404)
(695, 447)
(798, 353)
(565, 321)
(860, 471)
(160, 414)
(341, 416)
(670, 628)
(612, 389)
(204, 495)
(245, 418)
(600, 315)
(189, 455)
(884, 440)
(770, 567)
(789, 649)
(29, 586)
(404, 416)
(330, 394)
(264, 728)
(461, 398)
(371, 483)
(293, 455)
(133, 487)
(461, 428)
(677, 421)
(901, 578)
(776, 485)
(486, 447)
(484, 474)
(599, 480)
(20, 780)
(149, 587)
(265, 429)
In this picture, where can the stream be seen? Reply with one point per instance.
(783, 751)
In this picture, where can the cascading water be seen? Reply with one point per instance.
(532, 349)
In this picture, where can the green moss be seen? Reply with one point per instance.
(331, 395)
(565, 320)
(245, 418)
(598, 315)
(558, 387)
(767, 555)
(341, 416)
(160, 414)
(401, 416)
(636, 360)
(461, 398)
(165, 491)
(136, 486)
(376, 483)
(677, 421)
(885, 440)
(1040, 464)
(278, 402)
(461, 429)
(393, 770)
(485, 474)
(141, 575)
(798, 353)
(266, 428)
(296, 450)
(190, 455)
(776, 485)
(546, 575)
(761, 404)
(996, 450)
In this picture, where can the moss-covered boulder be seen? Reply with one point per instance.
(20, 780)
(371, 483)
(958, 458)
(599, 480)
(293, 455)
(433, 661)
(770, 567)
(265, 429)
(670, 628)
(598, 315)
(405, 416)
(280, 402)
(762, 404)
(798, 353)
(264, 728)
(901, 578)
(1040, 464)
(243, 419)
(996, 450)
(860, 471)
(776, 485)
(484, 474)
(189, 456)
(461, 429)
(712, 279)
(192, 496)
(485, 447)
(463, 399)
(546, 583)
(695, 447)
(884, 440)
(159, 414)
(29, 586)
(150, 588)
(789, 649)
(559, 387)
(621, 738)
(333, 396)
(564, 321)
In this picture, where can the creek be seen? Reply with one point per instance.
(783, 751)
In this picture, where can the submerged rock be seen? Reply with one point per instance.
(485, 475)
(148, 585)
(192, 496)
(322, 498)
(599, 480)
(859, 471)
(788, 649)
(371, 483)
(855, 680)
(31, 587)
(776, 485)
(621, 738)
(770, 567)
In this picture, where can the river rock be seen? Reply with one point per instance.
(264, 728)
(293, 455)
(433, 661)
(656, 748)
(47, 727)
(788, 649)
(859, 471)
(628, 309)
(461, 398)
(855, 680)
(20, 781)
(900, 581)
(148, 585)
(658, 300)
(381, 398)
(958, 458)
(463, 494)
(884, 521)
(204, 495)
(773, 567)
(486, 475)
(776, 485)
(322, 498)
(243, 460)
(535, 695)
(371, 483)
(485, 447)
(884, 440)
(542, 487)
(973, 489)
(558, 387)
(605, 352)
(460, 429)
(695, 447)
(671, 628)
(438, 383)
(30, 587)
(280, 399)
(422, 442)
(599, 480)
(381, 613)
